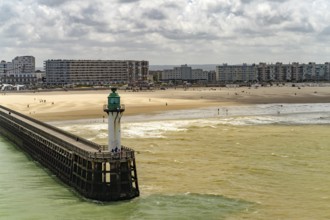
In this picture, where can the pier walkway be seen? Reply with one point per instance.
(60, 134)
(88, 167)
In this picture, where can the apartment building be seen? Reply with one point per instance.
(168, 75)
(23, 64)
(237, 73)
(199, 75)
(295, 72)
(95, 72)
(20, 71)
(3, 67)
(19, 78)
(20, 64)
(277, 72)
(262, 74)
(327, 71)
(184, 73)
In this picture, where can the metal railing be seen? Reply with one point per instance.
(126, 152)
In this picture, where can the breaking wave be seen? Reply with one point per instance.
(156, 126)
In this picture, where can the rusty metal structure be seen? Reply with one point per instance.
(89, 168)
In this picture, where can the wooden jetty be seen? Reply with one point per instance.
(89, 168)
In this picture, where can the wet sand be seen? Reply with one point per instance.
(71, 105)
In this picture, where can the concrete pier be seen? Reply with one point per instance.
(89, 168)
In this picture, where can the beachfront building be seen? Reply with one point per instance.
(3, 67)
(20, 64)
(185, 73)
(21, 70)
(271, 72)
(95, 72)
(278, 72)
(170, 75)
(327, 71)
(236, 73)
(155, 75)
(262, 74)
(211, 76)
(19, 78)
(198, 75)
(296, 73)
(23, 64)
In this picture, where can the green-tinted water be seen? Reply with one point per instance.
(200, 172)
(282, 169)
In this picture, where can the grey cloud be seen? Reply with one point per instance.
(303, 28)
(180, 35)
(78, 31)
(246, 1)
(139, 24)
(6, 13)
(154, 14)
(323, 36)
(16, 31)
(281, 1)
(61, 28)
(326, 31)
(127, 1)
(53, 3)
(221, 8)
(258, 1)
(87, 16)
(171, 5)
(248, 32)
(271, 19)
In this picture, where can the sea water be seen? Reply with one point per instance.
(237, 162)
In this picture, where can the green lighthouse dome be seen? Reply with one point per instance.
(113, 100)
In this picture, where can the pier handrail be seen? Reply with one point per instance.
(50, 137)
(125, 152)
(83, 140)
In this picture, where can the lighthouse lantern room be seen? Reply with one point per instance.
(115, 112)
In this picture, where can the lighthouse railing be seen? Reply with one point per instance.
(125, 153)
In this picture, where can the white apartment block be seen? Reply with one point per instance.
(185, 73)
(199, 75)
(295, 72)
(327, 71)
(20, 71)
(262, 70)
(19, 78)
(277, 72)
(236, 73)
(23, 64)
(3, 67)
(95, 72)
(20, 64)
(168, 75)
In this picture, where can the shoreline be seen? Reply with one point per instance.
(75, 105)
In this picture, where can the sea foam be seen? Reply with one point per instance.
(157, 125)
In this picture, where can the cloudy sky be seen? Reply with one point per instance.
(167, 31)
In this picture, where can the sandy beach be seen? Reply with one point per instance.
(71, 105)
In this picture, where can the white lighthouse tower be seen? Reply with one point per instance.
(114, 111)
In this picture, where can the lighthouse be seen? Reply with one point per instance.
(114, 111)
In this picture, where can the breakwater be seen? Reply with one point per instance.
(84, 165)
